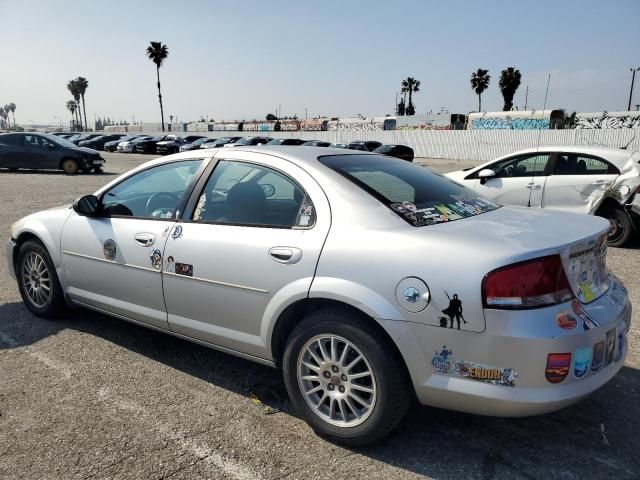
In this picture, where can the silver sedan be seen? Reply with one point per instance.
(368, 280)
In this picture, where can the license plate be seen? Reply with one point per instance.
(98, 162)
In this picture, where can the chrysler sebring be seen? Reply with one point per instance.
(369, 280)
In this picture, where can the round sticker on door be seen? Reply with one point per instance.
(109, 249)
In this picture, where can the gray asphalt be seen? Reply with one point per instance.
(95, 397)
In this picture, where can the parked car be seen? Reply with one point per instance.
(388, 283)
(399, 151)
(43, 151)
(195, 144)
(149, 145)
(220, 142)
(592, 180)
(285, 141)
(130, 146)
(112, 145)
(364, 146)
(84, 136)
(98, 142)
(316, 143)
(249, 141)
(167, 147)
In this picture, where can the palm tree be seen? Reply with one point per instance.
(157, 53)
(7, 109)
(410, 85)
(72, 86)
(72, 106)
(479, 83)
(12, 106)
(3, 117)
(509, 83)
(83, 84)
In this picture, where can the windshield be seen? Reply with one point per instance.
(60, 141)
(157, 139)
(416, 194)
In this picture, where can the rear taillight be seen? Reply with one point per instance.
(535, 283)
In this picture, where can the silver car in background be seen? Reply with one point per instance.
(579, 179)
(369, 280)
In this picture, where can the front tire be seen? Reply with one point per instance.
(345, 378)
(38, 282)
(70, 166)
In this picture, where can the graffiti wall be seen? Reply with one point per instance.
(431, 122)
(603, 120)
(509, 123)
(362, 124)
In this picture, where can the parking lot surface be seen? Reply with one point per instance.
(95, 397)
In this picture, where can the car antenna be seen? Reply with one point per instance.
(539, 135)
(629, 143)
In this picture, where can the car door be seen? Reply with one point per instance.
(518, 180)
(113, 261)
(36, 153)
(578, 182)
(11, 147)
(253, 240)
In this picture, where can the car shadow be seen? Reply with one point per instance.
(596, 438)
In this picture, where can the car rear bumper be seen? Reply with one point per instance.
(10, 247)
(501, 349)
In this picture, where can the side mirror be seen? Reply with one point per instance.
(485, 175)
(86, 206)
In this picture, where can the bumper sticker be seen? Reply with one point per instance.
(587, 322)
(441, 361)
(566, 321)
(610, 346)
(557, 367)
(598, 356)
(184, 269)
(155, 256)
(485, 373)
(581, 362)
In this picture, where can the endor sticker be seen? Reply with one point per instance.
(486, 373)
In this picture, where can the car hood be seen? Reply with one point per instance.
(89, 151)
(168, 142)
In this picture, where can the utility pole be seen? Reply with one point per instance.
(396, 104)
(633, 77)
(526, 98)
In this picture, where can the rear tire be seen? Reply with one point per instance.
(70, 166)
(621, 226)
(38, 281)
(349, 403)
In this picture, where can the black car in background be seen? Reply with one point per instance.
(220, 142)
(365, 146)
(250, 141)
(316, 143)
(44, 151)
(149, 145)
(84, 136)
(168, 147)
(97, 143)
(112, 145)
(195, 144)
(286, 141)
(398, 151)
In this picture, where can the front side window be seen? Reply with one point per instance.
(581, 164)
(531, 165)
(240, 193)
(153, 193)
(416, 194)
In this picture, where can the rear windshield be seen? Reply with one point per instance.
(416, 194)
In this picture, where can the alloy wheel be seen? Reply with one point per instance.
(36, 279)
(336, 380)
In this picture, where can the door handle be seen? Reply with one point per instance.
(285, 254)
(533, 186)
(145, 239)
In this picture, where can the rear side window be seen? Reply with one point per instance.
(530, 165)
(413, 192)
(13, 140)
(581, 164)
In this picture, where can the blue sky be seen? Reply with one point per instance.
(241, 59)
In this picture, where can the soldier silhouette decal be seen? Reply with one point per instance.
(453, 311)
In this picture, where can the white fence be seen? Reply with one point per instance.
(480, 145)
